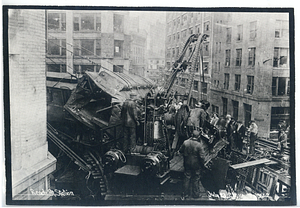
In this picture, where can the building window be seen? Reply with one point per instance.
(280, 57)
(219, 66)
(178, 36)
(53, 47)
(204, 87)
(80, 69)
(217, 49)
(87, 22)
(253, 30)
(87, 47)
(206, 49)
(239, 33)
(235, 106)
(76, 23)
(224, 101)
(205, 67)
(251, 57)
(206, 26)
(250, 84)
(238, 57)
(118, 68)
(118, 48)
(191, 31)
(56, 47)
(198, 28)
(281, 29)
(56, 21)
(228, 36)
(220, 48)
(226, 81)
(216, 66)
(169, 53)
(279, 114)
(237, 84)
(173, 52)
(184, 18)
(85, 68)
(280, 86)
(98, 47)
(215, 109)
(196, 85)
(227, 59)
(182, 83)
(56, 68)
(118, 23)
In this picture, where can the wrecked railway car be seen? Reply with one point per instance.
(84, 119)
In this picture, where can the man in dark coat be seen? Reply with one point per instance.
(240, 134)
(194, 151)
(169, 119)
(198, 117)
(181, 118)
(129, 115)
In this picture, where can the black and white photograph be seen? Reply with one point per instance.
(149, 105)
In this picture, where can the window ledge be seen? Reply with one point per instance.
(280, 68)
(87, 31)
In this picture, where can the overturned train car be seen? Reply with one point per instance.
(84, 120)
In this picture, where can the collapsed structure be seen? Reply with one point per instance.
(90, 137)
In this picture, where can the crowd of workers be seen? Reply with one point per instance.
(188, 132)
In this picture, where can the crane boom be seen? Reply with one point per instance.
(181, 64)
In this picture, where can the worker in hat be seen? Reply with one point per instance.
(194, 151)
(129, 116)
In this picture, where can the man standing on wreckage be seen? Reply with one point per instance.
(195, 151)
(129, 115)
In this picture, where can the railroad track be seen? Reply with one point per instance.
(87, 161)
(270, 145)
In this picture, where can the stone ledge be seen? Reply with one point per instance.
(24, 178)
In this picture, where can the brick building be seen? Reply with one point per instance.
(250, 77)
(246, 63)
(30, 160)
(85, 40)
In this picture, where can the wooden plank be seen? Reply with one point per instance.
(129, 170)
(178, 166)
(250, 163)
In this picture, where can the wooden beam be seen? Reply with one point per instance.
(250, 163)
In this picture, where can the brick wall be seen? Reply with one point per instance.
(27, 83)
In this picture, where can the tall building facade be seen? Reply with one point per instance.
(87, 40)
(250, 76)
(246, 63)
(138, 54)
(31, 163)
(180, 25)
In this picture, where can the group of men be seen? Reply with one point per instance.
(188, 124)
(193, 147)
